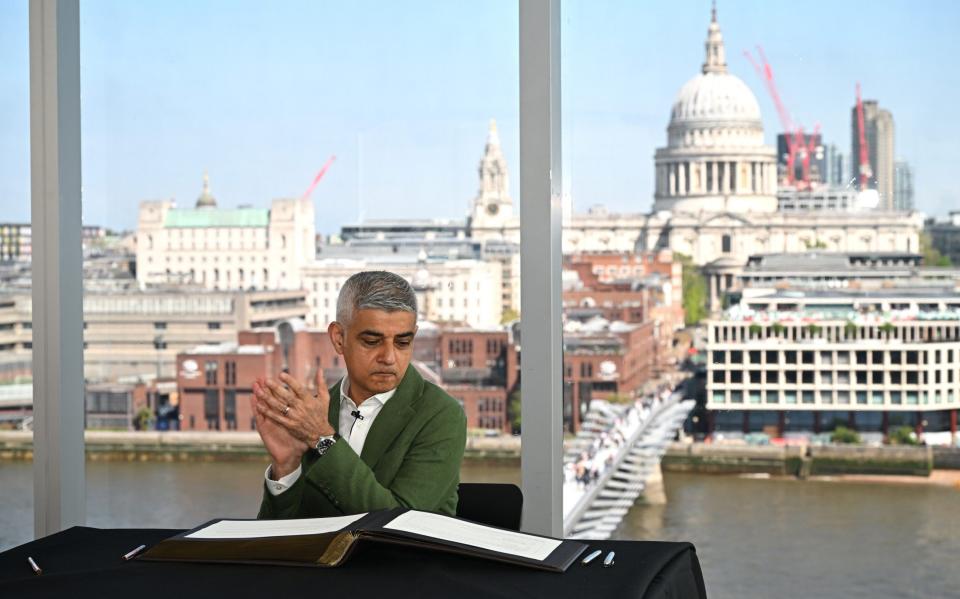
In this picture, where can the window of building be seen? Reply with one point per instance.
(736, 397)
(862, 397)
(755, 377)
(772, 357)
(772, 376)
(755, 357)
(896, 357)
(772, 397)
(861, 357)
(913, 377)
(826, 377)
(877, 377)
(726, 244)
(878, 357)
(736, 376)
(211, 409)
(210, 369)
(718, 376)
(807, 357)
(807, 377)
(791, 377)
(843, 397)
(736, 357)
(790, 357)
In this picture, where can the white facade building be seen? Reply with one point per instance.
(832, 352)
(464, 291)
(222, 249)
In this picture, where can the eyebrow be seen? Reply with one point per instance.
(381, 335)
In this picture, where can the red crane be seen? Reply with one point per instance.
(797, 144)
(865, 171)
(320, 174)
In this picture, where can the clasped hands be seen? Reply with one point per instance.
(290, 419)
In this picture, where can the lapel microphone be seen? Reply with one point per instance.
(356, 414)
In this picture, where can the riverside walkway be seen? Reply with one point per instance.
(608, 465)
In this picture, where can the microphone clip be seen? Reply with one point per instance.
(356, 414)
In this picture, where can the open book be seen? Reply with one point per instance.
(330, 541)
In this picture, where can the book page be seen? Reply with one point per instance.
(255, 529)
(476, 535)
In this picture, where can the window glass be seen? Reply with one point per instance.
(233, 182)
(703, 133)
(16, 326)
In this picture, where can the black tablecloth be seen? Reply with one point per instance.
(85, 562)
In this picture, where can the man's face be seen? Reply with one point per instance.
(376, 347)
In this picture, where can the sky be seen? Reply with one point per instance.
(260, 95)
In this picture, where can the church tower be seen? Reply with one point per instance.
(493, 207)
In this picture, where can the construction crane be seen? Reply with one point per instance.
(798, 145)
(316, 179)
(865, 171)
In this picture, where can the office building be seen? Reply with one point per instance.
(225, 248)
(945, 235)
(903, 186)
(810, 143)
(808, 360)
(879, 135)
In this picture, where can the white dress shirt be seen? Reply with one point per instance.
(352, 430)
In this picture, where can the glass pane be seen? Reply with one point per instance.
(232, 183)
(16, 331)
(728, 142)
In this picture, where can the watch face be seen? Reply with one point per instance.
(323, 445)
(493, 209)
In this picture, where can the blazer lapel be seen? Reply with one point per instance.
(393, 417)
(333, 412)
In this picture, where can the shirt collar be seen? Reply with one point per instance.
(381, 398)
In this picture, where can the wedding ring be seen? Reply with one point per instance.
(286, 409)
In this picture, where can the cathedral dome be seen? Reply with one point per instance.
(715, 108)
(718, 98)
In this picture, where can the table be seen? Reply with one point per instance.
(85, 562)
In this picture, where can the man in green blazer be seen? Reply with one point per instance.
(380, 438)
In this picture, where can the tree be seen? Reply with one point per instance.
(694, 291)
(842, 434)
(143, 418)
(778, 329)
(902, 435)
(755, 330)
(509, 315)
(514, 410)
(931, 255)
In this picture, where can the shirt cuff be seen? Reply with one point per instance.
(276, 487)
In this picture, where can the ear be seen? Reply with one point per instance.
(336, 333)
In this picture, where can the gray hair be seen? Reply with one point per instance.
(375, 290)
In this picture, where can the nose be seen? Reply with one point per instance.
(388, 355)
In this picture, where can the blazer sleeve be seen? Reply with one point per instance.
(426, 479)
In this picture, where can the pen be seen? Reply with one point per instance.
(591, 557)
(133, 552)
(34, 566)
(608, 561)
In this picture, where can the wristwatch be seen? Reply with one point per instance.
(325, 443)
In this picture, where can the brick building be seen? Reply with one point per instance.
(479, 368)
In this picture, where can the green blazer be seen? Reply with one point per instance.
(411, 458)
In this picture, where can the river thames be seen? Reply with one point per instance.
(755, 537)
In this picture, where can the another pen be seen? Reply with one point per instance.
(133, 552)
(34, 566)
(591, 557)
(608, 561)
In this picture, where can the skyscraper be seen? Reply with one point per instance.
(903, 186)
(878, 128)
